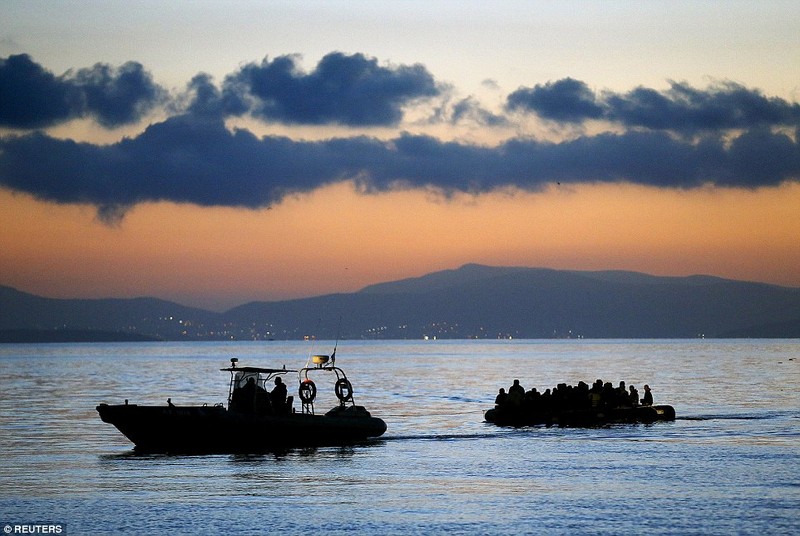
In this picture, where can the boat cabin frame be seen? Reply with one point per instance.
(242, 376)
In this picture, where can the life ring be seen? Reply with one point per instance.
(343, 389)
(308, 391)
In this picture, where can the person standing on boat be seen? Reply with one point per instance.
(516, 388)
(278, 395)
(647, 399)
(634, 396)
(596, 394)
(245, 398)
(516, 393)
(622, 395)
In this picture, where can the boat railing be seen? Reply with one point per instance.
(307, 390)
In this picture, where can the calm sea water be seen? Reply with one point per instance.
(729, 464)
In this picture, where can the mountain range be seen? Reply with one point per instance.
(473, 301)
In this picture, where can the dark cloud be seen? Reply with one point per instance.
(681, 108)
(758, 157)
(194, 158)
(117, 95)
(32, 97)
(348, 90)
(354, 90)
(187, 159)
(566, 100)
(206, 100)
(184, 159)
(204, 97)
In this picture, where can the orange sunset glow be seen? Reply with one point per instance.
(337, 240)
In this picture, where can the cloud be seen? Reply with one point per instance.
(184, 159)
(117, 95)
(350, 90)
(356, 91)
(206, 100)
(469, 109)
(681, 108)
(32, 97)
(193, 158)
(190, 159)
(565, 100)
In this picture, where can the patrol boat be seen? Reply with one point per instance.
(255, 419)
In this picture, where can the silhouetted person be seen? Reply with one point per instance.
(516, 393)
(546, 400)
(278, 395)
(531, 400)
(596, 394)
(501, 397)
(250, 387)
(244, 398)
(647, 399)
(634, 396)
(516, 388)
(169, 403)
(608, 395)
(582, 396)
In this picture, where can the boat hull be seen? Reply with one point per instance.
(580, 418)
(199, 429)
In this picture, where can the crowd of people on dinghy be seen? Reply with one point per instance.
(563, 397)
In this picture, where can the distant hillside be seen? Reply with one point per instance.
(488, 302)
(473, 301)
(153, 318)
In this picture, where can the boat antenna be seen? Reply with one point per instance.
(336, 345)
(312, 340)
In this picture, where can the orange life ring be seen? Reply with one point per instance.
(308, 391)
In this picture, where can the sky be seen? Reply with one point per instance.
(216, 153)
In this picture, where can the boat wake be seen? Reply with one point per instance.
(441, 437)
(740, 416)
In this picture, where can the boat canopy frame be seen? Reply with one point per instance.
(261, 376)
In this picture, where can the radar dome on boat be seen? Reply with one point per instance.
(320, 359)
